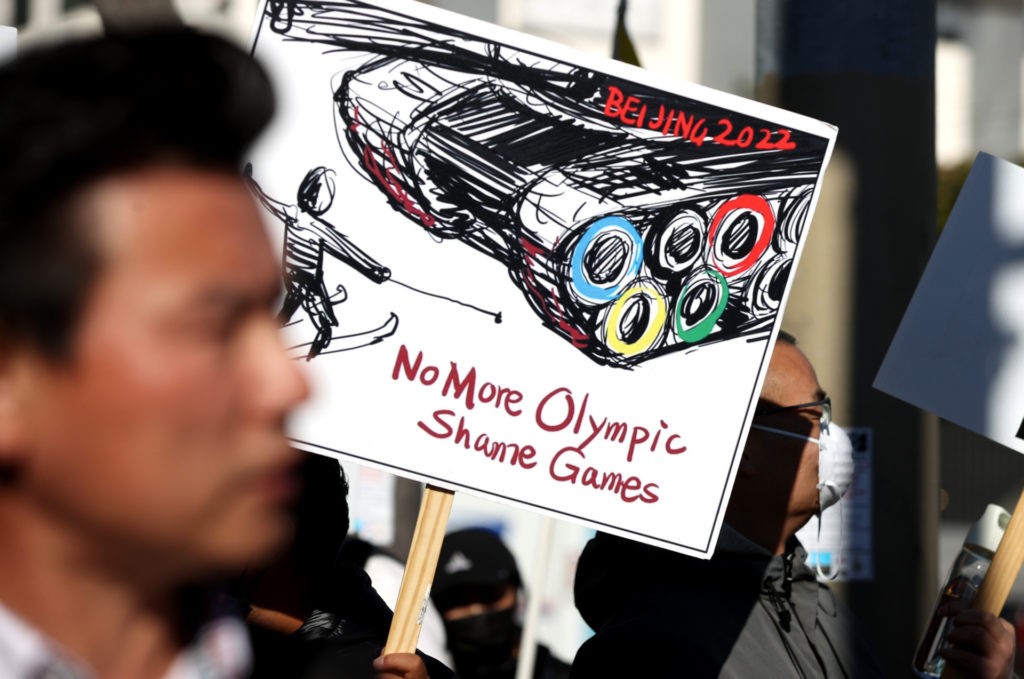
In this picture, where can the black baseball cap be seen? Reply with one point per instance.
(472, 560)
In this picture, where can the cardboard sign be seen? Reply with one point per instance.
(523, 272)
(959, 350)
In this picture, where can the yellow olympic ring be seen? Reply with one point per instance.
(644, 342)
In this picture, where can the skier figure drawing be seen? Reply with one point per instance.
(307, 237)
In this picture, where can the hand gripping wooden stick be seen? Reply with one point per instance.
(419, 570)
(999, 580)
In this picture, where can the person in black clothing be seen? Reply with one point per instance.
(314, 615)
(476, 588)
(755, 609)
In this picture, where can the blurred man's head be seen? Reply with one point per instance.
(143, 387)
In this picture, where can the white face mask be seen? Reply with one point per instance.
(835, 465)
(835, 461)
(835, 473)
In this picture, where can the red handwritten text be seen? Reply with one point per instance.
(565, 467)
(457, 385)
(521, 455)
(633, 111)
(558, 410)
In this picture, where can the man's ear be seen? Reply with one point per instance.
(750, 460)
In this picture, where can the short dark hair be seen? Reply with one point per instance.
(75, 113)
(786, 338)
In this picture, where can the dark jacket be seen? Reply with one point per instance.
(744, 613)
(339, 640)
(547, 666)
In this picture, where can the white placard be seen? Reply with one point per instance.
(959, 350)
(524, 272)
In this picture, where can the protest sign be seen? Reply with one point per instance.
(523, 272)
(959, 350)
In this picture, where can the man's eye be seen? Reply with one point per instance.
(224, 329)
(213, 327)
(814, 418)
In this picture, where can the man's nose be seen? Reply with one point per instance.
(281, 383)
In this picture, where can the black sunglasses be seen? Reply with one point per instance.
(825, 404)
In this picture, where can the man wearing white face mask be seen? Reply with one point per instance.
(755, 609)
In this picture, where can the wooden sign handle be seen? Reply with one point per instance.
(998, 582)
(419, 570)
(1006, 563)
